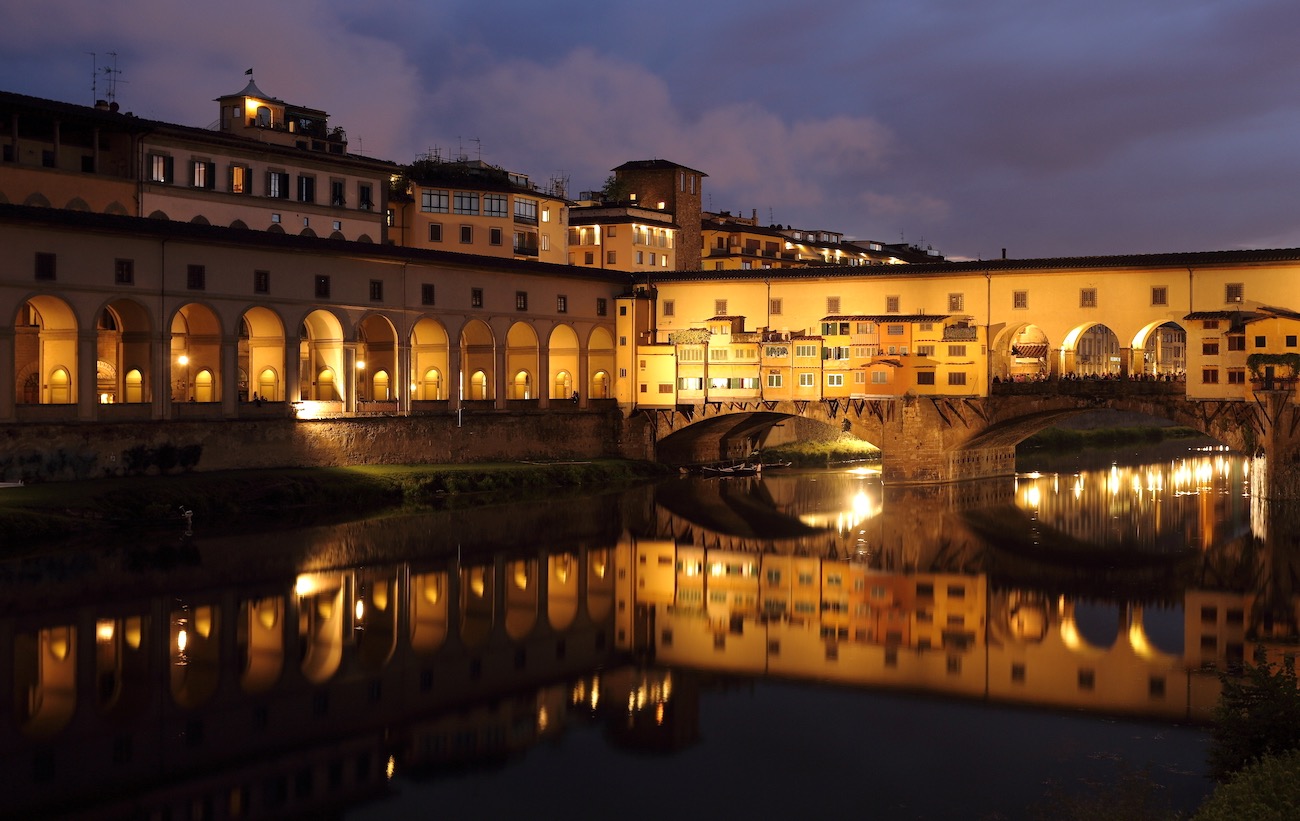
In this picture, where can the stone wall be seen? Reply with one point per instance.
(50, 452)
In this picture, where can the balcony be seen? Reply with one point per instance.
(960, 333)
(526, 251)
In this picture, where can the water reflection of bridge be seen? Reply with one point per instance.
(291, 691)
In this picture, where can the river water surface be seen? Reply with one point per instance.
(805, 643)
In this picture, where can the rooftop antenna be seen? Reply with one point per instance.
(478, 146)
(110, 78)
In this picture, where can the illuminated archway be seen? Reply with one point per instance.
(600, 363)
(134, 386)
(563, 386)
(521, 597)
(477, 357)
(562, 590)
(477, 597)
(195, 653)
(261, 640)
(1091, 350)
(45, 679)
(124, 349)
(562, 348)
(203, 387)
(195, 349)
(521, 359)
(379, 387)
(320, 351)
(1163, 350)
(478, 386)
(1021, 353)
(428, 611)
(60, 387)
(261, 352)
(45, 342)
(520, 386)
(428, 359)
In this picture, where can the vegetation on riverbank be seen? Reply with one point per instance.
(44, 512)
(1071, 439)
(846, 448)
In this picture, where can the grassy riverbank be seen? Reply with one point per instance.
(56, 511)
(1075, 439)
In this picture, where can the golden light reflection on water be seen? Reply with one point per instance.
(1185, 502)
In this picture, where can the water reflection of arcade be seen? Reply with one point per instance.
(182, 691)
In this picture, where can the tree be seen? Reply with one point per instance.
(1266, 790)
(1258, 714)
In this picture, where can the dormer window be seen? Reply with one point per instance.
(263, 117)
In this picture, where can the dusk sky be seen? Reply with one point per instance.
(1050, 129)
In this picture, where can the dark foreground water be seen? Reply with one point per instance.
(801, 644)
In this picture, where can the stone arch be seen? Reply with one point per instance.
(600, 363)
(307, 232)
(377, 349)
(124, 340)
(1091, 350)
(365, 238)
(45, 341)
(199, 220)
(321, 352)
(562, 347)
(480, 385)
(36, 200)
(429, 366)
(1160, 350)
(477, 357)
(159, 215)
(1021, 353)
(239, 224)
(337, 235)
(77, 204)
(195, 351)
(116, 208)
(522, 357)
(274, 229)
(261, 351)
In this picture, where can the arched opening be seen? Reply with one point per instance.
(123, 346)
(428, 360)
(45, 343)
(268, 385)
(379, 387)
(1164, 351)
(320, 352)
(1091, 351)
(203, 388)
(478, 386)
(521, 597)
(563, 357)
(60, 387)
(195, 350)
(477, 357)
(134, 384)
(377, 348)
(563, 386)
(521, 360)
(431, 385)
(105, 383)
(1021, 354)
(261, 352)
(520, 386)
(325, 388)
(600, 363)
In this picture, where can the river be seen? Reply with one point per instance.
(807, 642)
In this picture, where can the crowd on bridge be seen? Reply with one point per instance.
(1178, 376)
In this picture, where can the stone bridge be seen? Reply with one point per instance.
(936, 439)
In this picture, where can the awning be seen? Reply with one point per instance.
(1029, 351)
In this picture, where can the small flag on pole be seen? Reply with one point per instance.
(250, 71)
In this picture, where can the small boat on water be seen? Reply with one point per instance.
(735, 469)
